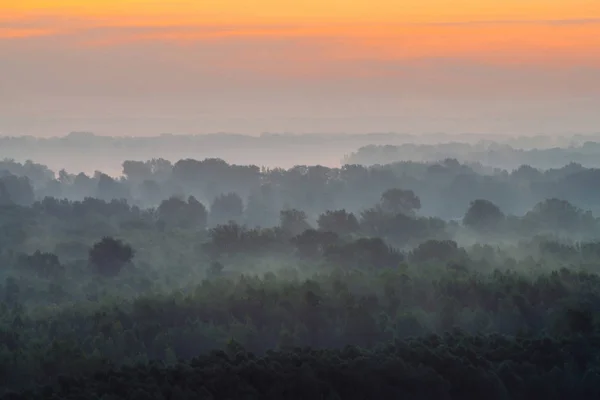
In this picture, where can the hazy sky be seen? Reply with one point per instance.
(147, 66)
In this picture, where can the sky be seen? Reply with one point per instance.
(145, 67)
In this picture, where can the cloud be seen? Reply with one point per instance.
(550, 22)
(19, 33)
(312, 50)
(152, 29)
(112, 58)
(102, 64)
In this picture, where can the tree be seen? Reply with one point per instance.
(374, 221)
(5, 199)
(83, 186)
(137, 171)
(173, 211)
(224, 239)
(398, 201)
(225, 208)
(261, 210)
(559, 215)
(176, 212)
(65, 178)
(44, 264)
(312, 243)
(580, 320)
(340, 222)
(109, 255)
(364, 253)
(197, 213)
(109, 188)
(483, 215)
(16, 190)
(293, 221)
(438, 250)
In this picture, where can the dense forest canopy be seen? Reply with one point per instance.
(204, 279)
(445, 188)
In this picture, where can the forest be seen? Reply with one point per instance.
(88, 152)
(201, 279)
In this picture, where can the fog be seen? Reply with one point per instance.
(89, 152)
(341, 259)
(355, 112)
(260, 199)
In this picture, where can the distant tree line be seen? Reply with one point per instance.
(444, 188)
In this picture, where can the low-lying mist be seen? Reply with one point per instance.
(167, 273)
(86, 152)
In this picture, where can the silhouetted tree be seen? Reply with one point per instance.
(438, 250)
(109, 255)
(44, 264)
(580, 320)
(176, 212)
(312, 243)
(559, 215)
(16, 190)
(340, 222)
(293, 221)
(225, 238)
(397, 201)
(109, 188)
(5, 199)
(197, 213)
(483, 215)
(137, 171)
(364, 253)
(374, 221)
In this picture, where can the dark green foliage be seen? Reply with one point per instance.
(15, 190)
(580, 320)
(109, 188)
(444, 189)
(312, 243)
(109, 255)
(449, 366)
(555, 215)
(394, 304)
(5, 198)
(46, 265)
(232, 238)
(438, 251)
(96, 347)
(365, 252)
(484, 216)
(398, 201)
(401, 229)
(293, 222)
(339, 221)
(176, 212)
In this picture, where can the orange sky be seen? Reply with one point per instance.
(562, 31)
(243, 11)
(422, 48)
